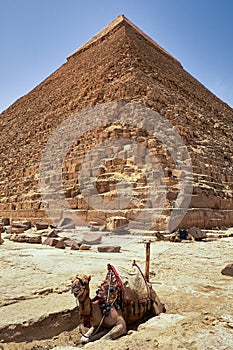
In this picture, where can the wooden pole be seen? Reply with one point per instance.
(147, 270)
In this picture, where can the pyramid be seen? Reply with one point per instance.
(122, 66)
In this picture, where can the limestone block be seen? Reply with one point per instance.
(16, 230)
(51, 241)
(91, 239)
(116, 222)
(41, 225)
(52, 233)
(228, 270)
(66, 223)
(85, 247)
(60, 245)
(109, 249)
(5, 221)
(25, 238)
(75, 245)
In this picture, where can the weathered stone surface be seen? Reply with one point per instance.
(94, 224)
(6, 221)
(25, 225)
(69, 242)
(197, 233)
(75, 245)
(60, 245)
(16, 230)
(7, 235)
(25, 238)
(52, 233)
(85, 247)
(228, 270)
(116, 223)
(51, 241)
(66, 223)
(1, 240)
(109, 249)
(34, 239)
(41, 225)
(128, 67)
(91, 239)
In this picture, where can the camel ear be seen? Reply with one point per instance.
(89, 278)
(74, 278)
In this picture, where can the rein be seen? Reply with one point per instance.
(88, 318)
(148, 290)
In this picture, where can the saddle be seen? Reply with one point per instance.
(110, 292)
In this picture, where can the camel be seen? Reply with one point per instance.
(115, 305)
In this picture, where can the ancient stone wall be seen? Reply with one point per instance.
(121, 65)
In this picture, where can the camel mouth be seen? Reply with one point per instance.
(77, 290)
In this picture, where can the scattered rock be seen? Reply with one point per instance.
(66, 223)
(116, 223)
(34, 239)
(109, 249)
(50, 241)
(68, 242)
(7, 236)
(42, 225)
(197, 233)
(5, 221)
(94, 224)
(75, 245)
(91, 239)
(16, 230)
(60, 245)
(53, 233)
(1, 240)
(25, 238)
(21, 225)
(85, 247)
(228, 270)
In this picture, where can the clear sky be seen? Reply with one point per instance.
(36, 36)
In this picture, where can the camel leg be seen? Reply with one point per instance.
(116, 332)
(86, 338)
(157, 306)
(98, 335)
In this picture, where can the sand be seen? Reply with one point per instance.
(36, 279)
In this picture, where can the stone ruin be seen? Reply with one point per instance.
(119, 64)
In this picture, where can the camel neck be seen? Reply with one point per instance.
(85, 305)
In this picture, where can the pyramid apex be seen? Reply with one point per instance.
(119, 19)
(110, 28)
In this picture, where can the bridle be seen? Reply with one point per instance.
(77, 289)
(86, 318)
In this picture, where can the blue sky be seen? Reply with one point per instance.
(36, 36)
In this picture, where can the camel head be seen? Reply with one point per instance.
(80, 286)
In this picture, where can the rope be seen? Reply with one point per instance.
(147, 286)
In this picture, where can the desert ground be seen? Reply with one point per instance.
(36, 302)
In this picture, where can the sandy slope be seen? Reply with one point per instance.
(35, 281)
